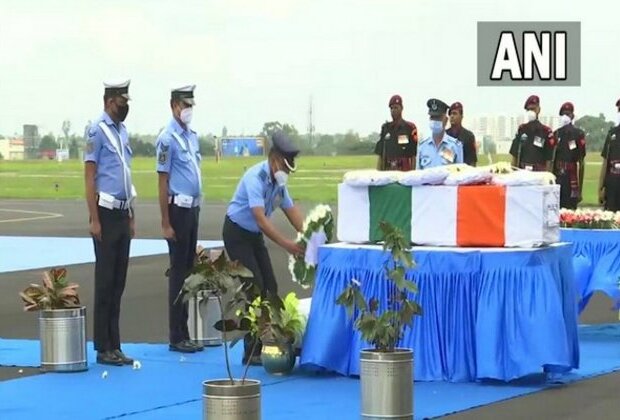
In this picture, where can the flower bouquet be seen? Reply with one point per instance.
(589, 219)
(318, 229)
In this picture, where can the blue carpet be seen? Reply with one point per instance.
(29, 252)
(168, 385)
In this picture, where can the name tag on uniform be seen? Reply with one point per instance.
(106, 201)
(447, 154)
(529, 168)
(538, 142)
(403, 139)
(572, 145)
(184, 201)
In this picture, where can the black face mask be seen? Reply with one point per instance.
(122, 111)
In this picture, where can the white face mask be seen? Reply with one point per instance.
(186, 115)
(435, 126)
(530, 115)
(281, 178)
(564, 120)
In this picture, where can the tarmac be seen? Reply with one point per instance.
(144, 316)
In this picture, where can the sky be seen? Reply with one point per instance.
(256, 61)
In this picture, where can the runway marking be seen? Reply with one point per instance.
(45, 215)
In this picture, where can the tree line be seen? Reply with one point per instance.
(349, 143)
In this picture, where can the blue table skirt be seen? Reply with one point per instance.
(596, 258)
(501, 315)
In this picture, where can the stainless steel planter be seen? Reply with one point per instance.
(62, 333)
(204, 312)
(223, 401)
(387, 384)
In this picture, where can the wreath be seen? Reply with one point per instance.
(318, 229)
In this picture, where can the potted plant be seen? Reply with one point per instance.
(386, 371)
(229, 398)
(279, 325)
(62, 322)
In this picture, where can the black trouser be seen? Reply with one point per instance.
(612, 194)
(566, 199)
(249, 249)
(112, 258)
(184, 222)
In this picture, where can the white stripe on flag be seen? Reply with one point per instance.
(433, 215)
(525, 224)
(353, 214)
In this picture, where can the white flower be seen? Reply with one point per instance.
(104, 374)
(137, 365)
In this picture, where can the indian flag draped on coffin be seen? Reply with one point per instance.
(452, 215)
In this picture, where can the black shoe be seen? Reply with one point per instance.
(182, 347)
(126, 360)
(197, 346)
(108, 358)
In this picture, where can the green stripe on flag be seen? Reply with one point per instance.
(390, 203)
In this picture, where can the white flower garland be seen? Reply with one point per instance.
(318, 228)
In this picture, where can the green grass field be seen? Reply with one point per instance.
(314, 182)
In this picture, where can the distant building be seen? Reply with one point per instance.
(242, 146)
(12, 149)
(31, 141)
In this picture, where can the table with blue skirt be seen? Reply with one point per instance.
(596, 258)
(488, 313)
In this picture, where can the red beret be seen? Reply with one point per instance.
(457, 106)
(532, 100)
(567, 107)
(396, 100)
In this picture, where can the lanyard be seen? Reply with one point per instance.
(121, 154)
(192, 156)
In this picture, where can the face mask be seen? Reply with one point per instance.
(564, 120)
(122, 112)
(281, 178)
(530, 115)
(186, 115)
(435, 126)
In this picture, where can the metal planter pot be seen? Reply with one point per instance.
(223, 401)
(62, 333)
(278, 359)
(204, 312)
(387, 384)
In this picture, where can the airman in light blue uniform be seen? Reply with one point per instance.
(261, 190)
(180, 194)
(439, 148)
(109, 196)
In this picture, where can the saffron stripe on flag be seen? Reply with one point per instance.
(390, 203)
(481, 211)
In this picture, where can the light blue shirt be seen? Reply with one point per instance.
(449, 151)
(109, 177)
(183, 174)
(257, 189)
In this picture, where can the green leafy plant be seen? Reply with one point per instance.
(55, 292)
(223, 279)
(274, 320)
(384, 329)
